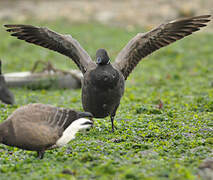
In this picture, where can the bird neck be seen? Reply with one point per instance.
(72, 129)
(68, 135)
(103, 66)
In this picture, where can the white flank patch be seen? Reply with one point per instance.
(71, 130)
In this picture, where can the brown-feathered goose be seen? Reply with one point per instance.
(103, 84)
(6, 95)
(38, 127)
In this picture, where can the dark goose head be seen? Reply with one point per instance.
(102, 57)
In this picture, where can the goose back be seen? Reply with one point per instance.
(37, 126)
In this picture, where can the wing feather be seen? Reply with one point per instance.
(64, 44)
(144, 44)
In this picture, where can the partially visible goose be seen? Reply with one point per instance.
(103, 84)
(38, 127)
(6, 96)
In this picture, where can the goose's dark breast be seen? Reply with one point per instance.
(102, 90)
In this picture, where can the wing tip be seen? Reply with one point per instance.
(20, 26)
(12, 25)
(6, 25)
(9, 30)
(203, 16)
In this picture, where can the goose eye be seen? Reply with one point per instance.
(99, 60)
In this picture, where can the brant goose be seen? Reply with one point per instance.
(39, 127)
(103, 83)
(5, 95)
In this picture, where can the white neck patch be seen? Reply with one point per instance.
(71, 130)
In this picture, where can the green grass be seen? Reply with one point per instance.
(150, 143)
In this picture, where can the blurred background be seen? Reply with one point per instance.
(95, 24)
(120, 12)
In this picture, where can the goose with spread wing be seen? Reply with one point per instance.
(103, 83)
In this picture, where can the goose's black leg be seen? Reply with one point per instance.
(112, 116)
(112, 121)
(40, 154)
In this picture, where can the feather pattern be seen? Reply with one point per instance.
(37, 126)
(144, 44)
(57, 117)
(64, 44)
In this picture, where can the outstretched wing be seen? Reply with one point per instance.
(144, 44)
(63, 44)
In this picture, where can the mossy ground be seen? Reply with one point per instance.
(149, 143)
